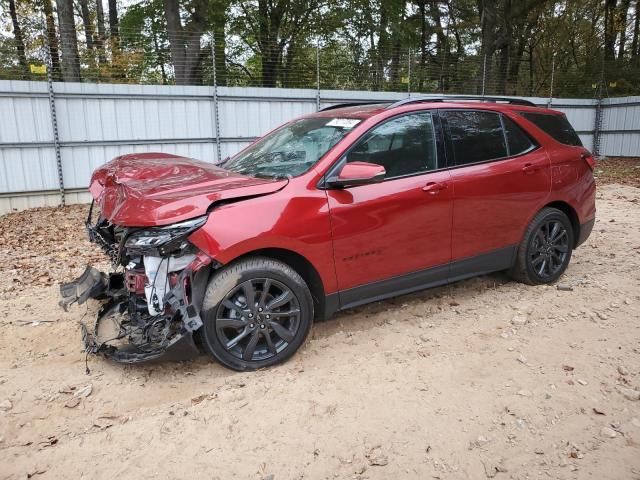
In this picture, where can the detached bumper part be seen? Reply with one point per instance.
(91, 284)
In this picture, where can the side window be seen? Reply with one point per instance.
(476, 136)
(555, 125)
(403, 146)
(518, 141)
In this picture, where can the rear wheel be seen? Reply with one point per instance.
(256, 313)
(545, 250)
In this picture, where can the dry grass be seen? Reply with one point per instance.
(622, 170)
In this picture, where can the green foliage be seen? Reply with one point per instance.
(418, 45)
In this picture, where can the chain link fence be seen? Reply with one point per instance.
(202, 58)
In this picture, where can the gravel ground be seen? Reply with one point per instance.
(484, 378)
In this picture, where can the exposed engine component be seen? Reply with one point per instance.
(148, 300)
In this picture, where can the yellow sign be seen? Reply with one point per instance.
(38, 68)
(405, 80)
(613, 84)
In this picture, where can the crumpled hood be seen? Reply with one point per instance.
(153, 189)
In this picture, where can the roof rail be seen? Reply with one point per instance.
(352, 104)
(446, 98)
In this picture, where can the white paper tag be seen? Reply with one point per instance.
(343, 122)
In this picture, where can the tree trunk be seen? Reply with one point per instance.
(622, 27)
(219, 21)
(52, 39)
(102, 33)
(269, 19)
(176, 46)
(383, 43)
(184, 42)
(504, 44)
(114, 39)
(17, 34)
(86, 22)
(636, 32)
(394, 71)
(113, 19)
(488, 20)
(609, 29)
(423, 42)
(441, 42)
(68, 42)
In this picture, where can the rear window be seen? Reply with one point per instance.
(555, 125)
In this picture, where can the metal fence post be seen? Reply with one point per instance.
(484, 73)
(598, 121)
(597, 128)
(216, 111)
(318, 75)
(54, 122)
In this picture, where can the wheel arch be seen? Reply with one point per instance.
(304, 268)
(570, 212)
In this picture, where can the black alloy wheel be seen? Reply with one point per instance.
(258, 319)
(545, 250)
(256, 312)
(549, 249)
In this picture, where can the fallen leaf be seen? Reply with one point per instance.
(72, 402)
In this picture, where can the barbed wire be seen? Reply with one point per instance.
(162, 58)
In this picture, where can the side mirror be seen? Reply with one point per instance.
(357, 173)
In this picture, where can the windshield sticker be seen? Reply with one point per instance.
(343, 122)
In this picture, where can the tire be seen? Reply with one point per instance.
(256, 313)
(544, 253)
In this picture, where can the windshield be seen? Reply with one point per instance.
(291, 150)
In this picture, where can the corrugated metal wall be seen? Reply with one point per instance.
(97, 122)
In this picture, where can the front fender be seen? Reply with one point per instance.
(299, 223)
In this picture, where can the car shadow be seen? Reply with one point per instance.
(347, 322)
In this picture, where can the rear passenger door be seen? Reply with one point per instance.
(500, 178)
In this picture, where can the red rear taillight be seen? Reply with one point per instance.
(587, 157)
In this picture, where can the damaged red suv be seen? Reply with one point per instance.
(336, 209)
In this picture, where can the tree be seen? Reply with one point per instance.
(185, 40)
(87, 23)
(17, 35)
(609, 29)
(102, 34)
(68, 41)
(113, 19)
(636, 31)
(273, 28)
(622, 27)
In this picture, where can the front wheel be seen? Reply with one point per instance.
(256, 313)
(545, 250)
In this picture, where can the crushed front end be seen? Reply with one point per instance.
(151, 300)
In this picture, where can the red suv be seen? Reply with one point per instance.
(339, 208)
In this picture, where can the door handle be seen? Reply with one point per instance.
(530, 168)
(434, 187)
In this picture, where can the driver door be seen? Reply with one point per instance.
(393, 237)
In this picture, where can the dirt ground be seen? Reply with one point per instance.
(484, 378)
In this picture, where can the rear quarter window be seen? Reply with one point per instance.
(557, 126)
(518, 141)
